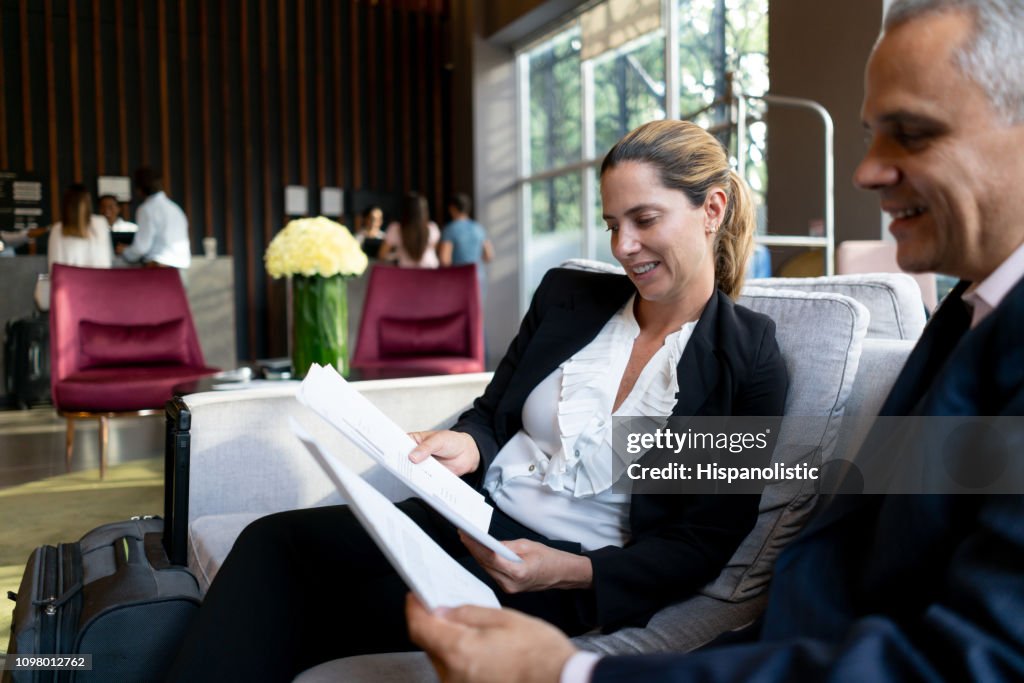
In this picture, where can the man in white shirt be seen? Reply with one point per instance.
(162, 235)
(894, 587)
(110, 209)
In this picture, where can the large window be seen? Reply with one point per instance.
(604, 73)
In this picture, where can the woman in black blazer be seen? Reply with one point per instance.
(303, 587)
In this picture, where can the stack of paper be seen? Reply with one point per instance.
(435, 578)
(328, 394)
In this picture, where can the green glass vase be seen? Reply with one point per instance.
(319, 323)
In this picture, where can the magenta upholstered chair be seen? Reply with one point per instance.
(421, 321)
(120, 340)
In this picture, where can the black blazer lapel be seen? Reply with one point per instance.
(565, 329)
(698, 372)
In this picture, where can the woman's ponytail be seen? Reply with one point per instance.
(735, 238)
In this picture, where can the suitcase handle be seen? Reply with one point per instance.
(127, 552)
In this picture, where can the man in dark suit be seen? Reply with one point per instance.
(896, 587)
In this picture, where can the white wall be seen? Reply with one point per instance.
(495, 155)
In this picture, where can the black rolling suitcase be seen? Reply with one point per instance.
(27, 361)
(114, 596)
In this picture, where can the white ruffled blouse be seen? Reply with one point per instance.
(555, 474)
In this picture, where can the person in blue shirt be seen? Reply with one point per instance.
(464, 240)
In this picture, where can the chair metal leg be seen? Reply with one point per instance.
(104, 438)
(69, 441)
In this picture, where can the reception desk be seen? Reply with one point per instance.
(210, 286)
(211, 296)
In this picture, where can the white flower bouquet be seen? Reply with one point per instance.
(314, 246)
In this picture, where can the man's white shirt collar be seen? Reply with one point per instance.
(985, 296)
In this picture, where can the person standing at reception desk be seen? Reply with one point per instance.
(413, 239)
(162, 235)
(79, 238)
(110, 208)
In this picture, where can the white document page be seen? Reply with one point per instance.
(327, 394)
(431, 573)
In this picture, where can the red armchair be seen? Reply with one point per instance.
(120, 340)
(421, 322)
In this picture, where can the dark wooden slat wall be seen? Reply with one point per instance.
(187, 85)
(204, 94)
(122, 89)
(405, 98)
(76, 94)
(3, 106)
(26, 87)
(372, 96)
(340, 95)
(51, 109)
(302, 92)
(321, 105)
(97, 87)
(356, 99)
(232, 100)
(247, 163)
(275, 290)
(142, 84)
(227, 170)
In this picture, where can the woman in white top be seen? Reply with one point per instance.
(663, 339)
(415, 237)
(79, 238)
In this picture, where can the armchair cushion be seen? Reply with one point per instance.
(111, 344)
(441, 336)
(893, 299)
(111, 389)
(210, 540)
(820, 336)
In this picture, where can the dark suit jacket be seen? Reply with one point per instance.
(898, 587)
(731, 366)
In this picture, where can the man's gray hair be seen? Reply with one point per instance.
(991, 57)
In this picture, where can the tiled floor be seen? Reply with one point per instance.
(32, 443)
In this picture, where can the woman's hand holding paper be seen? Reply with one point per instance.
(542, 567)
(454, 450)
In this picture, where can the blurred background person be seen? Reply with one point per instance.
(414, 238)
(162, 235)
(11, 239)
(464, 240)
(121, 231)
(110, 209)
(369, 230)
(79, 238)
